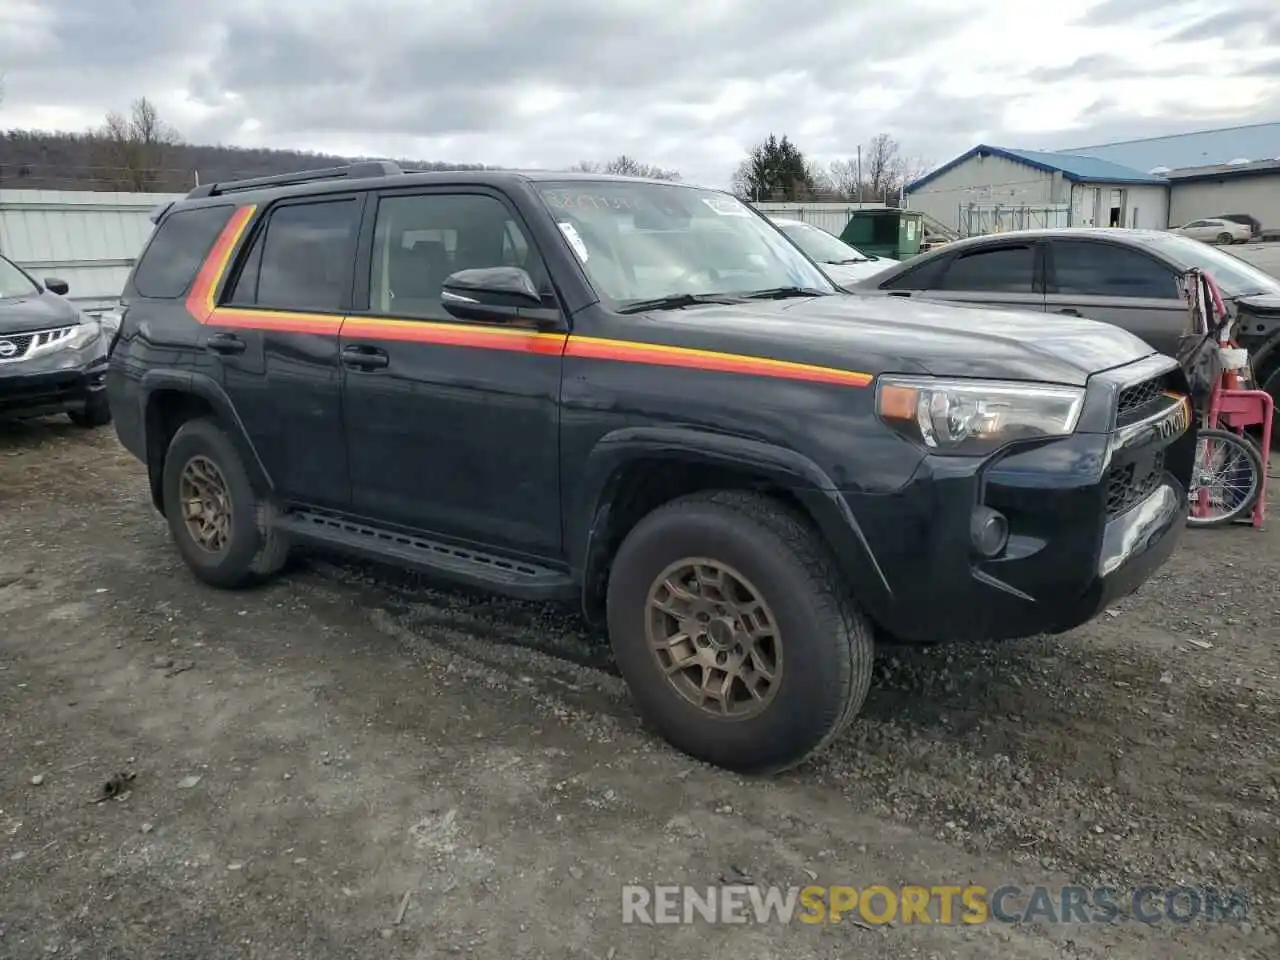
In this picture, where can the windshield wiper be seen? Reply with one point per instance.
(678, 300)
(782, 293)
(841, 263)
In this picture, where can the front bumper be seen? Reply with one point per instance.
(57, 382)
(1090, 518)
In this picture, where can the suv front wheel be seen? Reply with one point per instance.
(219, 522)
(735, 633)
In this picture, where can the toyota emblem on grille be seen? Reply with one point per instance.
(8, 348)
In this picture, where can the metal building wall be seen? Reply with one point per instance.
(86, 238)
(828, 216)
(1258, 196)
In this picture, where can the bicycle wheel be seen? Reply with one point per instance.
(1227, 478)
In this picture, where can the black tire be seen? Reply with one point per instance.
(1225, 238)
(827, 645)
(255, 549)
(96, 413)
(1252, 459)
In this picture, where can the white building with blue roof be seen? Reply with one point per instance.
(1153, 183)
(992, 188)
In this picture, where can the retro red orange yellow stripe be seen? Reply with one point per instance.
(202, 304)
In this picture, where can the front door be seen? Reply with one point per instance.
(452, 426)
(276, 336)
(1119, 285)
(1004, 274)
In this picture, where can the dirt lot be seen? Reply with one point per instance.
(306, 755)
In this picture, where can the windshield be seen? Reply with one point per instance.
(820, 245)
(1235, 277)
(13, 282)
(644, 241)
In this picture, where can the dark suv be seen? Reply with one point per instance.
(53, 358)
(641, 396)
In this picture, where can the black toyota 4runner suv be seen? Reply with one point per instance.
(642, 396)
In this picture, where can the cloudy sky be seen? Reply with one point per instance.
(689, 84)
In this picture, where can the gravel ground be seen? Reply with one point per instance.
(301, 758)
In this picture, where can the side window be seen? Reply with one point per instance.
(175, 253)
(419, 240)
(1008, 269)
(1109, 270)
(923, 277)
(301, 258)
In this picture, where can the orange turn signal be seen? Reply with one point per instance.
(897, 403)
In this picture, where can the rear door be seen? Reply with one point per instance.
(278, 347)
(1003, 274)
(1118, 284)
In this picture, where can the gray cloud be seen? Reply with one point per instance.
(1116, 13)
(1100, 66)
(1246, 25)
(450, 81)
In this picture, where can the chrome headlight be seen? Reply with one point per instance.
(84, 333)
(974, 417)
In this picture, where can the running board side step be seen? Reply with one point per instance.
(512, 578)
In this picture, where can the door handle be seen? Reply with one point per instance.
(899, 293)
(365, 358)
(1068, 312)
(225, 343)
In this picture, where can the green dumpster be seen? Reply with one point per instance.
(885, 232)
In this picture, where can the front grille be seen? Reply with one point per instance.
(1132, 483)
(1134, 399)
(24, 344)
(15, 346)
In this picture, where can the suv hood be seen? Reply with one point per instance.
(37, 311)
(888, 335)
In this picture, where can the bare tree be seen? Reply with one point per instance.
(878, 174)
(135, 147)
(626, 166)
(844, 177)
(882, 166)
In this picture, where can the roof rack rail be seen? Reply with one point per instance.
(351, 171)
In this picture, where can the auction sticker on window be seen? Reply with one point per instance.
(726, 206)
(575, 239)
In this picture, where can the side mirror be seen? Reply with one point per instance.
(54, 285)
(495, 294)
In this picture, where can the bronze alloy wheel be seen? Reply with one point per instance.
(714, 638)
(206, 504)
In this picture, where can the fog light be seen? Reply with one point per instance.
(988, 531)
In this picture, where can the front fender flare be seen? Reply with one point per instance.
(614, 452)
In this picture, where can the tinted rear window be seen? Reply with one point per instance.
(175, 253)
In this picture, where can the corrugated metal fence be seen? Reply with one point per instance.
(831, 217)
(86, 238)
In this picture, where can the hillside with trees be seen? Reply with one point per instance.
(140, 152)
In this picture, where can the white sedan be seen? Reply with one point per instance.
(1215, 231)
(841, 262)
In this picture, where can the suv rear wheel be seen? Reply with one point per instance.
(735, 633)
(219, 522)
